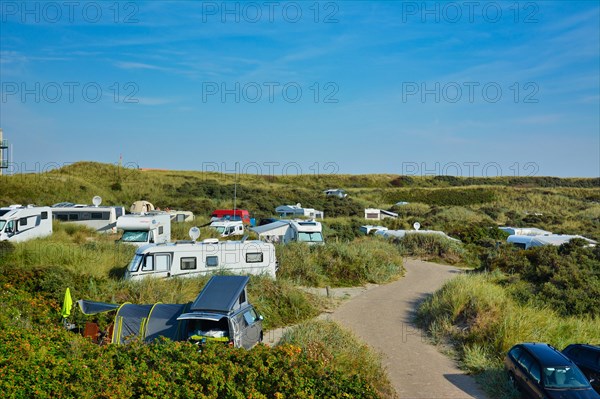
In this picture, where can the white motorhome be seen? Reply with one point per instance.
(530, 241)
(191, 259)
(19, 223)
(228, 227)
(145, 228)
(284, 231)
(101, 218)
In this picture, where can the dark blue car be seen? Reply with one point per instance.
(587, 358)
(541, 371)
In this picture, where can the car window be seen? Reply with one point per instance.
(588, 356)
(250, 316)
(516, 353)
(564, 377)
(535, 371)
(526, 360)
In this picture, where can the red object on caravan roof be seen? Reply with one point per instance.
(242, 213)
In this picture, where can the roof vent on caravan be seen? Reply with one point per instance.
(211, 241)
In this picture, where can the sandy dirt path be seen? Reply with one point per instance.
(382, 317)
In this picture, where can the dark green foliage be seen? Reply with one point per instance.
(443, 197)
(566, 278)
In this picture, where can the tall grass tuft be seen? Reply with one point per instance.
(484, 322)
(330, 344)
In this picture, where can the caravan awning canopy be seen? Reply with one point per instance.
(90, 307)
(268, 227)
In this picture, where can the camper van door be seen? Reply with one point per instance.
(156, 264)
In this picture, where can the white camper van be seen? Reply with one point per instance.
(101, 218)
(19, 223)
(147, 228)
(190, 259)
(228, 227)
(284, 231)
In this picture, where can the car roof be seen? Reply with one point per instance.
(586, 346)
(546, 354)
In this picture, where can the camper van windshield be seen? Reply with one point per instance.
(135, 263)
(2, 223)
(310, 237)
(135, 236)
(220, 229)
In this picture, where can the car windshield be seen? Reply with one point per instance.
(135, 263)
(135, 236)
(310, 237)
(564, 377)
(2, 223)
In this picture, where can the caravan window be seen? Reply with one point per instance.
(96, 215)
(2, 223)
(310, 237)
(118, 212)
(22, 222)
(61, 216)
(135, 236)
(188, 264)
(44, 215)
(255, 257)
(135, 263)
(148, 264)
(73, 216)
(212, 261)
(160, 230)
(163, 262)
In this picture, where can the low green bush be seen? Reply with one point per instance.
(328, 343)
(361, 261)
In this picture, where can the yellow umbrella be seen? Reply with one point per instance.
(67, 304)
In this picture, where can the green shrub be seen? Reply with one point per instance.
(329, 344)
(435, 248)
(483, 322)
(361, 261)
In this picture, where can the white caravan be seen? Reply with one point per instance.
(528, 241)
(100, 218)
(145, 228)
(284, 231)
(19, 223)
(228, 228)
(191, 259)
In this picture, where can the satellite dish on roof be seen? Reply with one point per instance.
(194, 233)
(417, 225)
(97, 200)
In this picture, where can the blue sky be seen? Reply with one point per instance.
(461, 88)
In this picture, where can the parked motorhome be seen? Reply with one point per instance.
(228, 228)
(335, 192)
(298, 211)
(231, 214)
(525, 231)
(100, 218)
(379, 214)
(190, 258)
(527, 241)
(369, 229)
(284, 231)
(19, 223)
(181, 216)
(148, 228)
